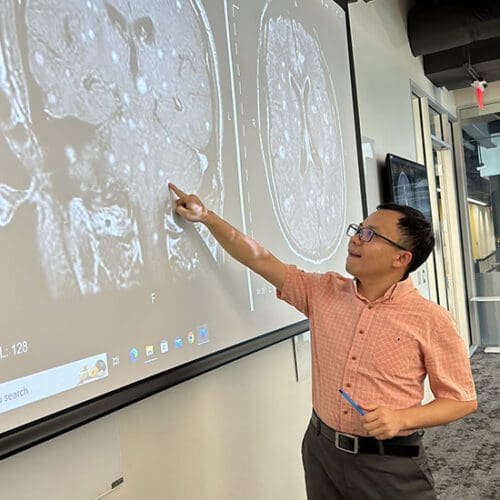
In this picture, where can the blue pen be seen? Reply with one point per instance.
(352, 403)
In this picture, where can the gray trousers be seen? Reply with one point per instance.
(333, 474)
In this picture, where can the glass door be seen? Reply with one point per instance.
(433, 144)
(437, 153)
(480, 135)
(441, 234)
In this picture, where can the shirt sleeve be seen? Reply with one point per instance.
(296, 289)
(447, 363)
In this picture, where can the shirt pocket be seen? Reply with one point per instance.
(394, 353)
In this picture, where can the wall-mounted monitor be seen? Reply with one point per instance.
(407, 184)
(106, 295)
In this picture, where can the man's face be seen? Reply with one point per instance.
(378, 257)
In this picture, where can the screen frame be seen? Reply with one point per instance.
(393, 162)
(51, 426)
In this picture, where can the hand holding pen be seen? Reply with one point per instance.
(381, 423)
(352, 403)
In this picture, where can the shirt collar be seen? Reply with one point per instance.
(396, 291)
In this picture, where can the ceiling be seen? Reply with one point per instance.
(458, 39)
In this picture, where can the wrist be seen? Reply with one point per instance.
(404, 420)
(207, 217)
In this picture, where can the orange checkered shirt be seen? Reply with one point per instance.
(379, 352)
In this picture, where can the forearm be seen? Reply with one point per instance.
(439, 412)
(241, 247)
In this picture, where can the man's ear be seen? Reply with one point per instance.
(403, 259)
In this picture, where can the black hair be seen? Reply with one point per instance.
(416, 231)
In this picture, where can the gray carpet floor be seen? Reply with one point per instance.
(465, 455)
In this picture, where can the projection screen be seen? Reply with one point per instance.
(105, 292)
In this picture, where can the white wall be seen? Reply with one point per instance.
(236, 432)
(385, 68)
(491, 158)
(232, 433)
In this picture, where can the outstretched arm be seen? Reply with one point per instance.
(241, 247)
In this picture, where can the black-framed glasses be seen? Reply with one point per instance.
(366, 234)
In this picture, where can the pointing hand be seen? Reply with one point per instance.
(189, 205)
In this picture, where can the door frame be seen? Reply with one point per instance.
(452, 282)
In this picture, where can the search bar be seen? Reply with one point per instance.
(24, 390)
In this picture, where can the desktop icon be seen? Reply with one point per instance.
(178, 342)
(150, 350)
(133, 355)
(164, 346)
(203, 334)
(115, 360)
(190, 338)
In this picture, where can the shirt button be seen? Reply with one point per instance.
(354, 358)
(346, 412)
(348, 385)
(361, 331)
(370, 306)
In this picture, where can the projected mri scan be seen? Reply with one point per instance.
(102, 103)
(301, 137)
(125, 99)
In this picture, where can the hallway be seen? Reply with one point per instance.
(464, 456)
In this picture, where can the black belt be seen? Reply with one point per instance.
(401, 446)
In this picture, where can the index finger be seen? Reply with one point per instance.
(177, 191)
(371, 415)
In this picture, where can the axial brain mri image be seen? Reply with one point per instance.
(301, 136)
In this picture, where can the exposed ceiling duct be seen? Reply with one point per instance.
(459, 40)
(457, 68)
(437, 26)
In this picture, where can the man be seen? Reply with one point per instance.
(376, 338)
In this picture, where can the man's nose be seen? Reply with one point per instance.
(356, 239)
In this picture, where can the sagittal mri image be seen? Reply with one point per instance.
(102, 103)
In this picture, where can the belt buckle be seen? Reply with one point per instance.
(340, 440)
